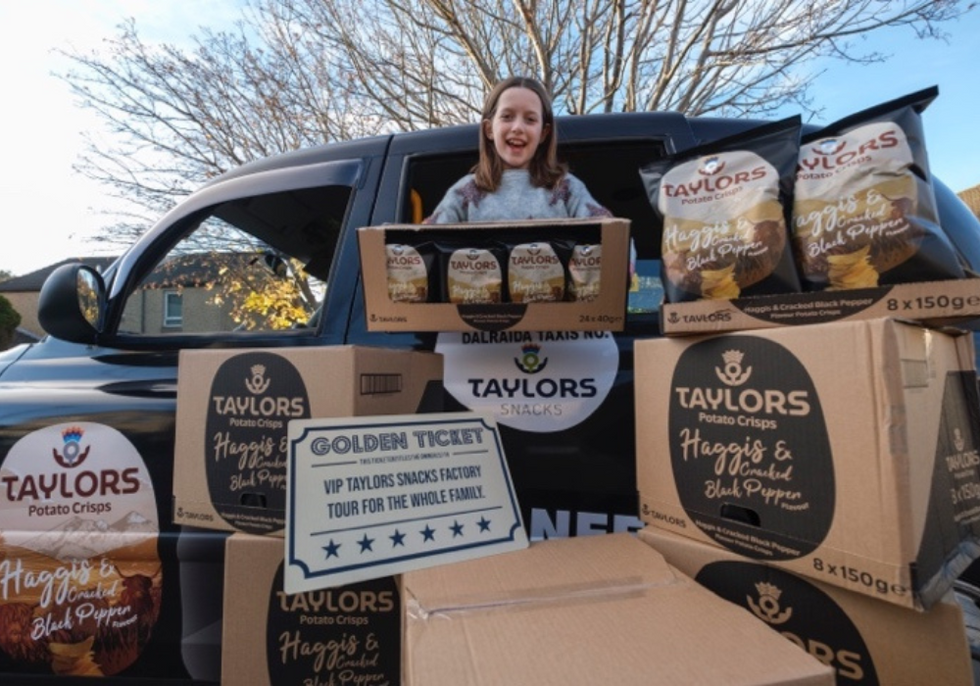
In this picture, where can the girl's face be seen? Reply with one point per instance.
(517, 127)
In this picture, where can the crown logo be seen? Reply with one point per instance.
(711, 166)
(731, 373)
(258, 383)
(529, 362)
(733, 356)
(72, 454)
(73, 434)
(829, 146)
(767, 608)
(766, 589)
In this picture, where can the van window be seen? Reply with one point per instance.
(610, 169)
(255, 264)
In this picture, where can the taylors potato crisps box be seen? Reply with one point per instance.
(536, 275)
(864, 640)
(233, 414)
(583, 611)
(343, 635)
(847, 452)
(935, 303)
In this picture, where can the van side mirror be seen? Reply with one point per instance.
(71, 303)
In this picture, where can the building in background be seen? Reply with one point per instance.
(183, 294)
(971, 196)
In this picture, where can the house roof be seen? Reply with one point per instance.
(971, 196)
(34, 280)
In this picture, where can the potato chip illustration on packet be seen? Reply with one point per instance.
(725, 209)
(864, 211)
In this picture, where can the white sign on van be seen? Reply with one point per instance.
(369, 497)
(536, 381)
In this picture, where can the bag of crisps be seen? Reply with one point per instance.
(725, 208)
(864, 212)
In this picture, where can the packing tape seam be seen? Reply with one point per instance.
(417, 610)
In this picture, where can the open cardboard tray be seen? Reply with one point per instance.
(605, 313)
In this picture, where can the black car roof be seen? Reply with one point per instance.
(682, 131)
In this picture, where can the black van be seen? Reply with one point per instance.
(101, 386)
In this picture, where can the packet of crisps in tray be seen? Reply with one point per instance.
(864, 211)
(536, 271)
(585, 272)
(409, 272)
(725, 208)
(473, 273)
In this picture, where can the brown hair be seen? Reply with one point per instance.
(545, 169)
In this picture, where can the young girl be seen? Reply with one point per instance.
(518, 176)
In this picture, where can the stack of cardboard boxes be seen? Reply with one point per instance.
(606, 609)
(825, 476)
(233, 411)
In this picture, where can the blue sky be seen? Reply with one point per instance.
(914, 64)
(56, 211)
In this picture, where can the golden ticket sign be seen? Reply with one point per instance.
(375, 496)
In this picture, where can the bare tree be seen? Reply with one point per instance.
(300, 72)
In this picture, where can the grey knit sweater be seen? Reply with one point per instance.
(516, 199)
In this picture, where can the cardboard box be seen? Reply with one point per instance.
(345, 635)
(604, 313)
(233, 413)
(846, 452)
(584, 611)
(937, 303)
(863, 639)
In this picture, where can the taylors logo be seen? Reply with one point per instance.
(734, 374)
(712, 179)
(703, 318)
(767, 607)
(537, 381)
(530, 362)
(711, 166)
(847, 663)
(72, 454)
(256, 404)
(829, 146)
(258, 384)
(334, 601)
(965, 457)
(403, 256)
(77, 483)
(829, 154)
(473, 260)
(534, 255)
